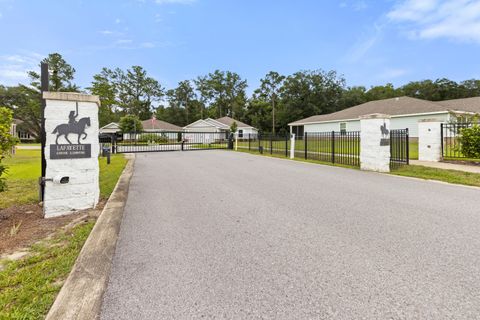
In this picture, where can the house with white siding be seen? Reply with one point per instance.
(405, 112)
(220, 125)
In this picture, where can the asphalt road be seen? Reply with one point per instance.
(218, 234)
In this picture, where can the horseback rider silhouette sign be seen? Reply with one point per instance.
(75, 130)
(71, 152)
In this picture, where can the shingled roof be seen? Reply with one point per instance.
(228, 121)
(156, 124)
(395, 107)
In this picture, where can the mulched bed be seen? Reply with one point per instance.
(32, 226)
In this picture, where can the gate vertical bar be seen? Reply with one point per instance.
(305, 143)
(333, 146)
(441, 134)
(286, 145)
(407, 141)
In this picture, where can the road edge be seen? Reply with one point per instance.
(82, 293)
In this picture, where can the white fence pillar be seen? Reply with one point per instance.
(375, 142)
(429, 140)
(71, 152)
(292, 146)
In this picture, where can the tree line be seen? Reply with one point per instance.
(278, 100)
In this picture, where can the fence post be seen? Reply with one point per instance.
(292, 146)
(375, 142)
(286, 145)
(249, 141)
(430, 140)
(441, 134)
(305, 144)
(236, 142)
(333, 146)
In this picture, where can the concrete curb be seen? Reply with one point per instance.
(81, 295)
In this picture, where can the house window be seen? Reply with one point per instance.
(23, 135)
(240, 133)
(343, 128)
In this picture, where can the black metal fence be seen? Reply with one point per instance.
(159, 141)
(399, 148)
(336, 147)
(451, 142)
(341, 147)
(265, 143)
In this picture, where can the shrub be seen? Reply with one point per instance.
(470, 141)
(7, 141)
(153, 137)
(130, 123)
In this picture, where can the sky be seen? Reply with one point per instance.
(368, 42)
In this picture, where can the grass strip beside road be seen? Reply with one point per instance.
(29, 286)
(450, 176)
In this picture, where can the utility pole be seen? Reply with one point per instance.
(43, 88)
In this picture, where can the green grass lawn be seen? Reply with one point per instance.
(322, 146)
(22, 178)
(413, 150)
(29, 286)
(450, 176)
(24, 170)
(109, 173)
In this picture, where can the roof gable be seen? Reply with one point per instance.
(155, 124)
(229, 121)
(111, 125)
(201, 124)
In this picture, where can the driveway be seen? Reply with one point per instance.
(219, 234)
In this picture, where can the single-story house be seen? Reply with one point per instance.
(405, 112)
(151, 125)
(221, 125)
(111, 128)
(22, 131)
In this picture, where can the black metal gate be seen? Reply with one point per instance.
(160, 141)
(452, 139)
(399, 148)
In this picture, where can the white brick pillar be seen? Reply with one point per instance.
(429, 140)
(375, 142)
(71, 153)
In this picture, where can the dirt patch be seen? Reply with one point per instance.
(21, 226)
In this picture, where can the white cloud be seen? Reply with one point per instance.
(14, 68)
(391, 73)
(106, 32)
(360, 5)
(124, 41)
(360, 49)
(148, 45)
(175, 1)
(432, 19)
